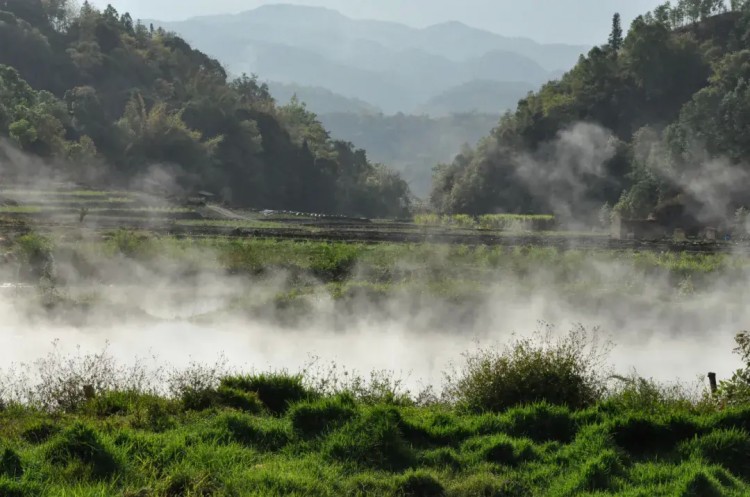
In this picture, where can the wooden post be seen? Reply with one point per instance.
(712, 381)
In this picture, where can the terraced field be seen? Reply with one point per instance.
(103, 211)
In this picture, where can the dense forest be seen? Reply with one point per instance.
(656, 118)
(103, 97)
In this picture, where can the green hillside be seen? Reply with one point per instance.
(105, 99)
(655, 118)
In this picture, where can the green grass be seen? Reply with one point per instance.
(62, 193)
(457, 273)
(344, 446)
(20, 209)
(231, 223)
(500, 222)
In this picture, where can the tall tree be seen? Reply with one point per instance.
(615, 36)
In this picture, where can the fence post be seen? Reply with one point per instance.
(712, 380)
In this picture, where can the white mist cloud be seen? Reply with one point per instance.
(168, 310)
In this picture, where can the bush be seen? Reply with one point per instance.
(634, 393)
(311, 419)
(36, 255)
(277, 391)
(130, 244)
(727, 448)
(373, 440)
(419, 484)
(81, 443)
(736, 391)
(567, 371)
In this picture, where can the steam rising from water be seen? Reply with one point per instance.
(415, 338)
(659, 334)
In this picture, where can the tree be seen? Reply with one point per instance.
(663, 15)
(615, 36)
(692, 9)
(132, 96)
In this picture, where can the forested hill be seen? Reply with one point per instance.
(106, 98)
(659, 117)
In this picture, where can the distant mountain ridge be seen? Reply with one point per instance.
(391, 66)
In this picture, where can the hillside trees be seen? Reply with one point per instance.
(674, 100)
(96, 87)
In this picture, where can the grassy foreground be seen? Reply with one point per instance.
(534, 420)
(257, 437)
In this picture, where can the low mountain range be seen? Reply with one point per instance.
(390, 66)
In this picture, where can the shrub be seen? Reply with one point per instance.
(276, 390)
(112, 403)
(36, 255)
(419, 484)
(311, 419)
(736, 391)
(129, 243)
(65, 383)
(83, 444)
(728, 448)
(373, 440)
(634, 393)
(10, 464)
(335, 261)
(567, 371)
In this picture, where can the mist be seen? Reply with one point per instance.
(180, 320)
(168, 311)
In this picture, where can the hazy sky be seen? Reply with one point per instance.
(570, 21)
